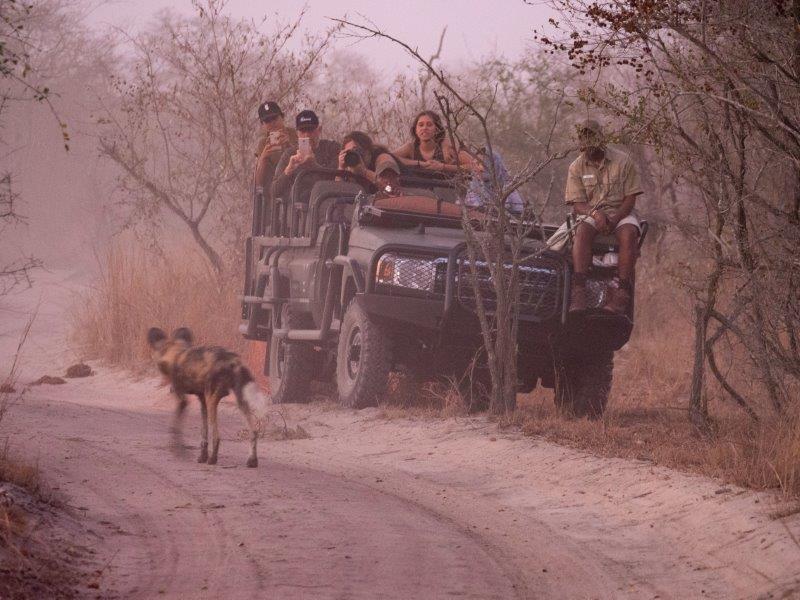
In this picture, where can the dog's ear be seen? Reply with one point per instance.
(156, 337)
(183, 333)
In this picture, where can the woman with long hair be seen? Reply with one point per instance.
(429, 149)
(359, 154)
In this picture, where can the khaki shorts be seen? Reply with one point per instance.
(558, 241)
(631, 219)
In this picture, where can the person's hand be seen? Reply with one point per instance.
(611, 223)
(278, 146)
(433, 165)
(601, 221)
(295, 160)
(270, 149)
(476, 167)
(342, 166)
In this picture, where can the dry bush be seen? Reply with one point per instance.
(409, 396)
(26, 476)
(137, 290)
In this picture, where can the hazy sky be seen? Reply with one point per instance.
(474, 27)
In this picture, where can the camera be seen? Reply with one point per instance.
(352, 158)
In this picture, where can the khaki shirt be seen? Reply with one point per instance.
(274, 157)
(603, 186)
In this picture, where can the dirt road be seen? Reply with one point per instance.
(186, 530)
(371, 508)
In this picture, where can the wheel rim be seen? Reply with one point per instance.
(353, 353)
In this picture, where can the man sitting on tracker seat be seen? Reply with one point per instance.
(602, 186)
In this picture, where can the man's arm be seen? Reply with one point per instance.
(281, 181)
(265, 167)
(576, 197)
(623, 211)
(631, 187)
(404, 155)
(575, 194)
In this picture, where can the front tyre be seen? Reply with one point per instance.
(363, 359)
(583, 384)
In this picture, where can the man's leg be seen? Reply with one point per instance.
(581, 258)
(627, 237)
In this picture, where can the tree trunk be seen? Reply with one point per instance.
(698, 404)
(211, 254)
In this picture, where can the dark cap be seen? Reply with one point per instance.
(306, 119)
(591, 126)
(268, 111)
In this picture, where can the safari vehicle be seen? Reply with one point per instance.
(346, 285)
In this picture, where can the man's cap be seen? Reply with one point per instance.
(384, 162)
(306, 119)
(269, 110)
(591, 126)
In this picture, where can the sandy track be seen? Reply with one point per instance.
(178, 529)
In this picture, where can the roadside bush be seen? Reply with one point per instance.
(137, 289)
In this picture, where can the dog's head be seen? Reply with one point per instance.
(159, 342)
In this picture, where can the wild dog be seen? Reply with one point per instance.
(210, 373)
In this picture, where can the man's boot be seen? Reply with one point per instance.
(618, 299)
(577, 299)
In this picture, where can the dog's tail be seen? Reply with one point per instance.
(249, 396)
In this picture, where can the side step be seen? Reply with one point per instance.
(260, 300)
(300, 335)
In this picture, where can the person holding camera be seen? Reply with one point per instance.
(360, 154)
(274, 138)
(311, 151)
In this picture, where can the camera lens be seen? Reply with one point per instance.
(352, 158)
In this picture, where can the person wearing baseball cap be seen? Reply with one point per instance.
(274, 138)
(602, 186)
(310, 151)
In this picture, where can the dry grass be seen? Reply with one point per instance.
(406, 397)
(138, 290)
(26, 476)
(13, 470)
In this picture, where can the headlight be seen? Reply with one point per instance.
(412, 272)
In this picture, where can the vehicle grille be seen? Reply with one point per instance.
(541, 285)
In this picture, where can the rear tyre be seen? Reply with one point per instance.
(363, 360)
(583, 384)
(290, 365)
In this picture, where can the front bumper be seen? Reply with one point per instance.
(450, 313)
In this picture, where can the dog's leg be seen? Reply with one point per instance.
(203, 430)
(213, 401)
(252, 460)
(176, 428)
(180, 407)
(247, 397)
